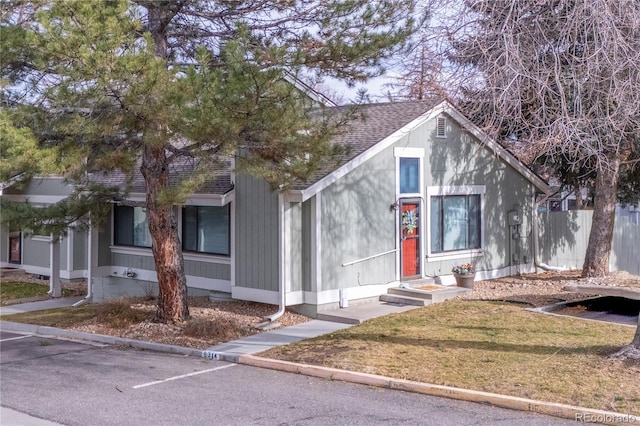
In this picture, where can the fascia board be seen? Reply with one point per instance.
(193, 199)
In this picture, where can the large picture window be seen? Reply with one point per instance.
(206, 229)
(131, 227)
(455, 223)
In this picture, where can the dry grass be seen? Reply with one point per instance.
(487, 346)
(222, 329)
(210, 323)
(120, 313)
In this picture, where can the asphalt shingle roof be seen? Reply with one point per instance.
(375, 122)
(219, 183)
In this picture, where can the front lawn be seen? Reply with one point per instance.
(487, 346)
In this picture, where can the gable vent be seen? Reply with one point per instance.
(441, 127)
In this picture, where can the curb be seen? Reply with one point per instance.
(580, 414)
(99, 338)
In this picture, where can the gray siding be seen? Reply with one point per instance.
(36, 253)
(129, 261)
(296, 247)
(459, 160)
(4, 244)
(191, 267)
(80, 251)
(356, 223)
(208, 270)
(308, 230)
(256, 234)
(104, 241)
(64, 253)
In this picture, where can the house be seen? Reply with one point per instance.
(420, 190)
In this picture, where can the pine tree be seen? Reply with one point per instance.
(120, 85)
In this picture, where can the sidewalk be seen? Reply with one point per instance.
(229, 351)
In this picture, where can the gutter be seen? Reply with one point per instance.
(536, 263)
(89, 295)
(282, 261)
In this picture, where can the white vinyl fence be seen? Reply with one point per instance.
(563, 239)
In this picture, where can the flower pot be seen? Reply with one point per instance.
(464, 280)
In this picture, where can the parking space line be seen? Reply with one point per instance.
(16, 338)
(183, 376)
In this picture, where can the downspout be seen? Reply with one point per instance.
(281, 261)
(537, 264)
(89, 295)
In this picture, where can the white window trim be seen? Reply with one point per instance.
(407, 152)
(41, 238)
(133, 251)
(179, 217)
(419, 153)
(196, 257)
(434, 191)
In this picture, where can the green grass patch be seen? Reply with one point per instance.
(18, 290)
(487, 346)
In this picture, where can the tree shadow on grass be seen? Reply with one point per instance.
(480, 345)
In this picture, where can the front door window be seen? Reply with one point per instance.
(410, 238)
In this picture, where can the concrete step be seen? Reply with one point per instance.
(409, 292)
(326, 316)
(360, 312)
(434, 296)
(404, 300)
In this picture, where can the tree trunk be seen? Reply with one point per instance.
(596, 261)
(167, 252)
(632, 350)
(577, 190)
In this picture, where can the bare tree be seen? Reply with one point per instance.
(561, 77)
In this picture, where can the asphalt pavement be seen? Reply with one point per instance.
(241, 352)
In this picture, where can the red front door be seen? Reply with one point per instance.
(410, 238)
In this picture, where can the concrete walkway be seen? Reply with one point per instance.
(229, 351)
(42, 305)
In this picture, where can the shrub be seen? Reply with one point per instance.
(118, 313)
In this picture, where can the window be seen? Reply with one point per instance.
(131, 227)
(441, 127)
(206, 229)
(409, 175)
(455, 223)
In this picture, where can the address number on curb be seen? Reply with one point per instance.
(211, 355)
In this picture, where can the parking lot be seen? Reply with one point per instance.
(79, 383)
